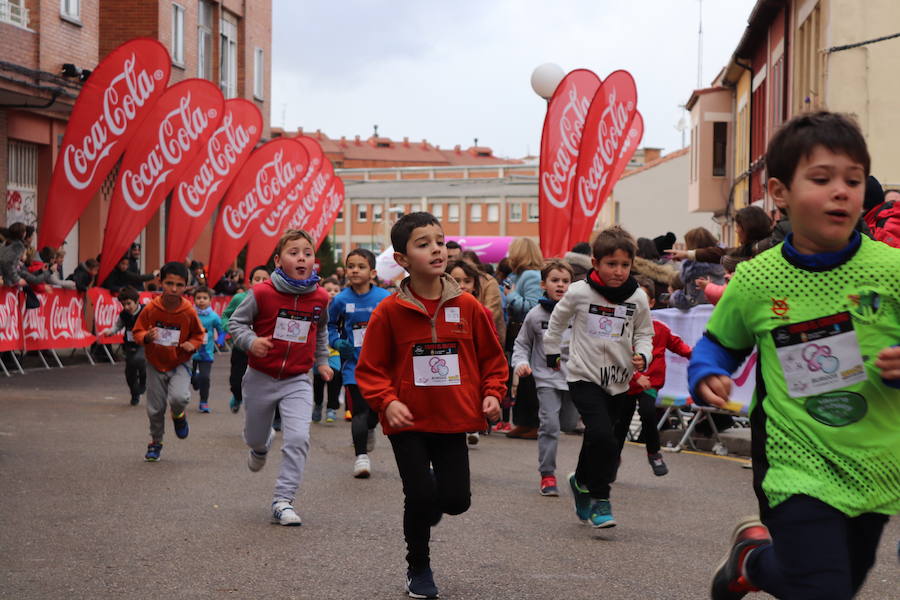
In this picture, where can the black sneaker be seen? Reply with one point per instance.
(729, 582)
(658, 464)
(153, 451)
(421, 584)
(181, 425)
(135, 399)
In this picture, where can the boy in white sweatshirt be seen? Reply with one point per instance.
(612, 335)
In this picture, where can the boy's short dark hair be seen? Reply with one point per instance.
(331, 279)
(128, 293)
(797, 138)
(453, 244)
(291, 235)
(647, 284)
(612, 239)
(405, 225)
(202, 289)
(91, 263)
(556, 264)
(259, 268)
(363, 253)
(174, 268)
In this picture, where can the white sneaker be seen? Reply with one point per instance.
(472, 439)
(362, 468)
(255, 461)
(370, 441)
(284, 514)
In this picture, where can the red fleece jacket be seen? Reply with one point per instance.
(663, 339)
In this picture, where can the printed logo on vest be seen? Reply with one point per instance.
(780, 308)
(837, 409)
(864, 305)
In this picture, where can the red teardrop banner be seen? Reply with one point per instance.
(198, 191)
(334, 200)
(271, 172)
(179, 125)
(606, 127)
(315, 182)
(560, 140)
(113, 103)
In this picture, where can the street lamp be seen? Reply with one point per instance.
(545, 78)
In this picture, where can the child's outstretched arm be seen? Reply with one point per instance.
(643, 333)
(522, 348)
(374, 371)
(240, 326)
(559, 321)
(709, 373)
(321, 352)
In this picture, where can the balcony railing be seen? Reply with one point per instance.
(13, 11)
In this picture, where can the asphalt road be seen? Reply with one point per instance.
(83, 516)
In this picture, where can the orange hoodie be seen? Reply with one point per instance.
(176, 327)
(441, 368)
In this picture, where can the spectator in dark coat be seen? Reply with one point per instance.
(579, 257)
(134, 258)
(84, 274)
(122, 277)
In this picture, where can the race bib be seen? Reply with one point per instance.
(129, 335)
(606, 322)
(292, 326)
(451, 314)
(351, 307)
(436, 364)
(167, 334)
(359, 332)
(820, 355)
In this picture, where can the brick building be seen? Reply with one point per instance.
(223, 41)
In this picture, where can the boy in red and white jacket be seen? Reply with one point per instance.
(645, 386)
(281, 325)
(432, 366)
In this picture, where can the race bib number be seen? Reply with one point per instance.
(167, 334)
(359, 333)
(292, 326)
(436, 364)
(607, 322)
(820, 355)
(129, 335)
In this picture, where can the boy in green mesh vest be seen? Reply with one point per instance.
(823, 309)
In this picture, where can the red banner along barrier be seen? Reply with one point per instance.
(57, 323)
(10, 319)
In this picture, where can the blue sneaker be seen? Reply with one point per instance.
(204, 407)
(234, 404)
(330, 416)
(153, 451)
(181, 425)
(582, 499)
(601, 514)
(421, 584)
(317, 414)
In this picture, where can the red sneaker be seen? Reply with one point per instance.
(501, 427)
(729, 581)
(548, 486)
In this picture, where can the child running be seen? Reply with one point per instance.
(135, 362)
(333, 287)
(612, 336)
(822, 310)
(433, 368)
(348, 318)
(281, 326)
(238, 356)
(529, 359)
(645, 387)
(203, 359)
(170, 332)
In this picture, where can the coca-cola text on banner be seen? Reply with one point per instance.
(10, 319)
(113, 103)
(181, 122)
(106, 308)
(560, 140)
(334, 200)
(606, 128)
(271, 172)
(629, 145)
(58, 323)
(203, 184)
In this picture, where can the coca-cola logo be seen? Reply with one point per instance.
(126, 93)
(556, 181)
(333, 201)
(66, 318)
(33, 323)
(223, 149)
(178, 130)
(106, 311)
(271, 180)
(9, 316)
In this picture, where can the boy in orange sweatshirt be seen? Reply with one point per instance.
(432, 367)
(170, 332)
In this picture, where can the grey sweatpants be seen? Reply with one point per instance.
(555, 406)
(294, 399)
(166, 388)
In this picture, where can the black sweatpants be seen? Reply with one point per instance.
(135, 370)
(647, 410)
(364, 419)
(238, 368)
(200, 378)
(599, 448)
(816, 551)
(334, 390)
(428, 496)
(525, 410)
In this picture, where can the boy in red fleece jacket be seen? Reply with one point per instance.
(645, 386)
(432, 366)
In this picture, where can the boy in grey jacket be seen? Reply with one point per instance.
(612, 335)
(552, 390)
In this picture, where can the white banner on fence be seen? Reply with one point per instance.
(690, 326)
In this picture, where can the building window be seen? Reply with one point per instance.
(361, 215)
(453, 213)
(338, 252)
(475, 213)
(177, 34)
(259, 73)
(70, 9)
(720, 144)
(340, 215)
(533, 213)
(14, 12)
(377, 212)
(205, 40)
(228, 58)
(515, 212)
(493, 213)
(438, 211)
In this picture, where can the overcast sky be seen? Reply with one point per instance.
(452, 71)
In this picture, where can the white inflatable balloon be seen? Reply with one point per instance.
(545, 78)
